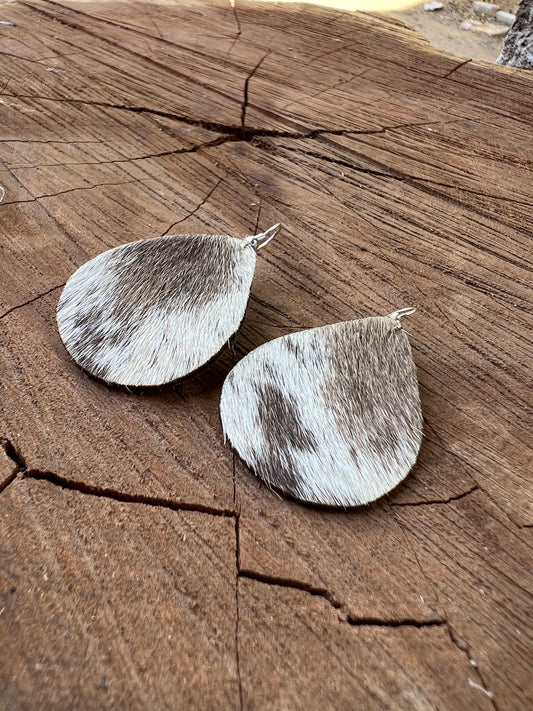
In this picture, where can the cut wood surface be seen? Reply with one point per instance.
(142, 566)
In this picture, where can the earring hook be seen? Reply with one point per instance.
(263, 238)
(398, 315)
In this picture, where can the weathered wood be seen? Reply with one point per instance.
(446, 562)
(8, 469)
(401, 176)
(117, 599)
(310, 658)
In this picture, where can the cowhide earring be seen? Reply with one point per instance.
(153, 311)
(329, 415)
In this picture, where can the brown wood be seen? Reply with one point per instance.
(312, 658)
(8, 468)
(402, 176)
(118, 601)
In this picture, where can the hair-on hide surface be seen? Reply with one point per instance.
(153, 311)
(330, 415)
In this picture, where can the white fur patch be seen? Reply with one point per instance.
(153, 311)
(330, 415)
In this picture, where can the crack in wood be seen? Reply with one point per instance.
(244, 106)
(462, 189)
(214, 126)
(433, 502)
(31, 141)
(290, 583)
(13, 454)
(81, 187)
(193, 212)
(134, 30)
(19, 465)
(466, 651)
(464, 462)
(328, 159)
(117, 161)
(233, 5)
(123, 497)
(326, 595)
(26, 59)
(400, 622)
(8, 481)
(30, 301)
(230, 133)
(165, 68)
(452, 71)
(393, 174)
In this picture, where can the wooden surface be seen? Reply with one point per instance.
(141, 565)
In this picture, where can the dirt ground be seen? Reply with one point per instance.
(442, 28)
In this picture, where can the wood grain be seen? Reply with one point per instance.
(402, 177)
(308, 655)
(73, 427)
(114, 598)
(8, 469)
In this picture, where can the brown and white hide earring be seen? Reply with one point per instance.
(329, 415)
(153, 311)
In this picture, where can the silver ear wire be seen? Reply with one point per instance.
(398, 315)
(263, 238)
(406, 311)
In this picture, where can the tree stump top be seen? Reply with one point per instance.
(143, 566)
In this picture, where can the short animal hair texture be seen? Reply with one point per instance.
(329, 415)
(153, 311)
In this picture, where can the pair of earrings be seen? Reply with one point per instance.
(329, 415)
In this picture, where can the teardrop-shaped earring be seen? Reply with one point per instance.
(153, 311)
(329, 415)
